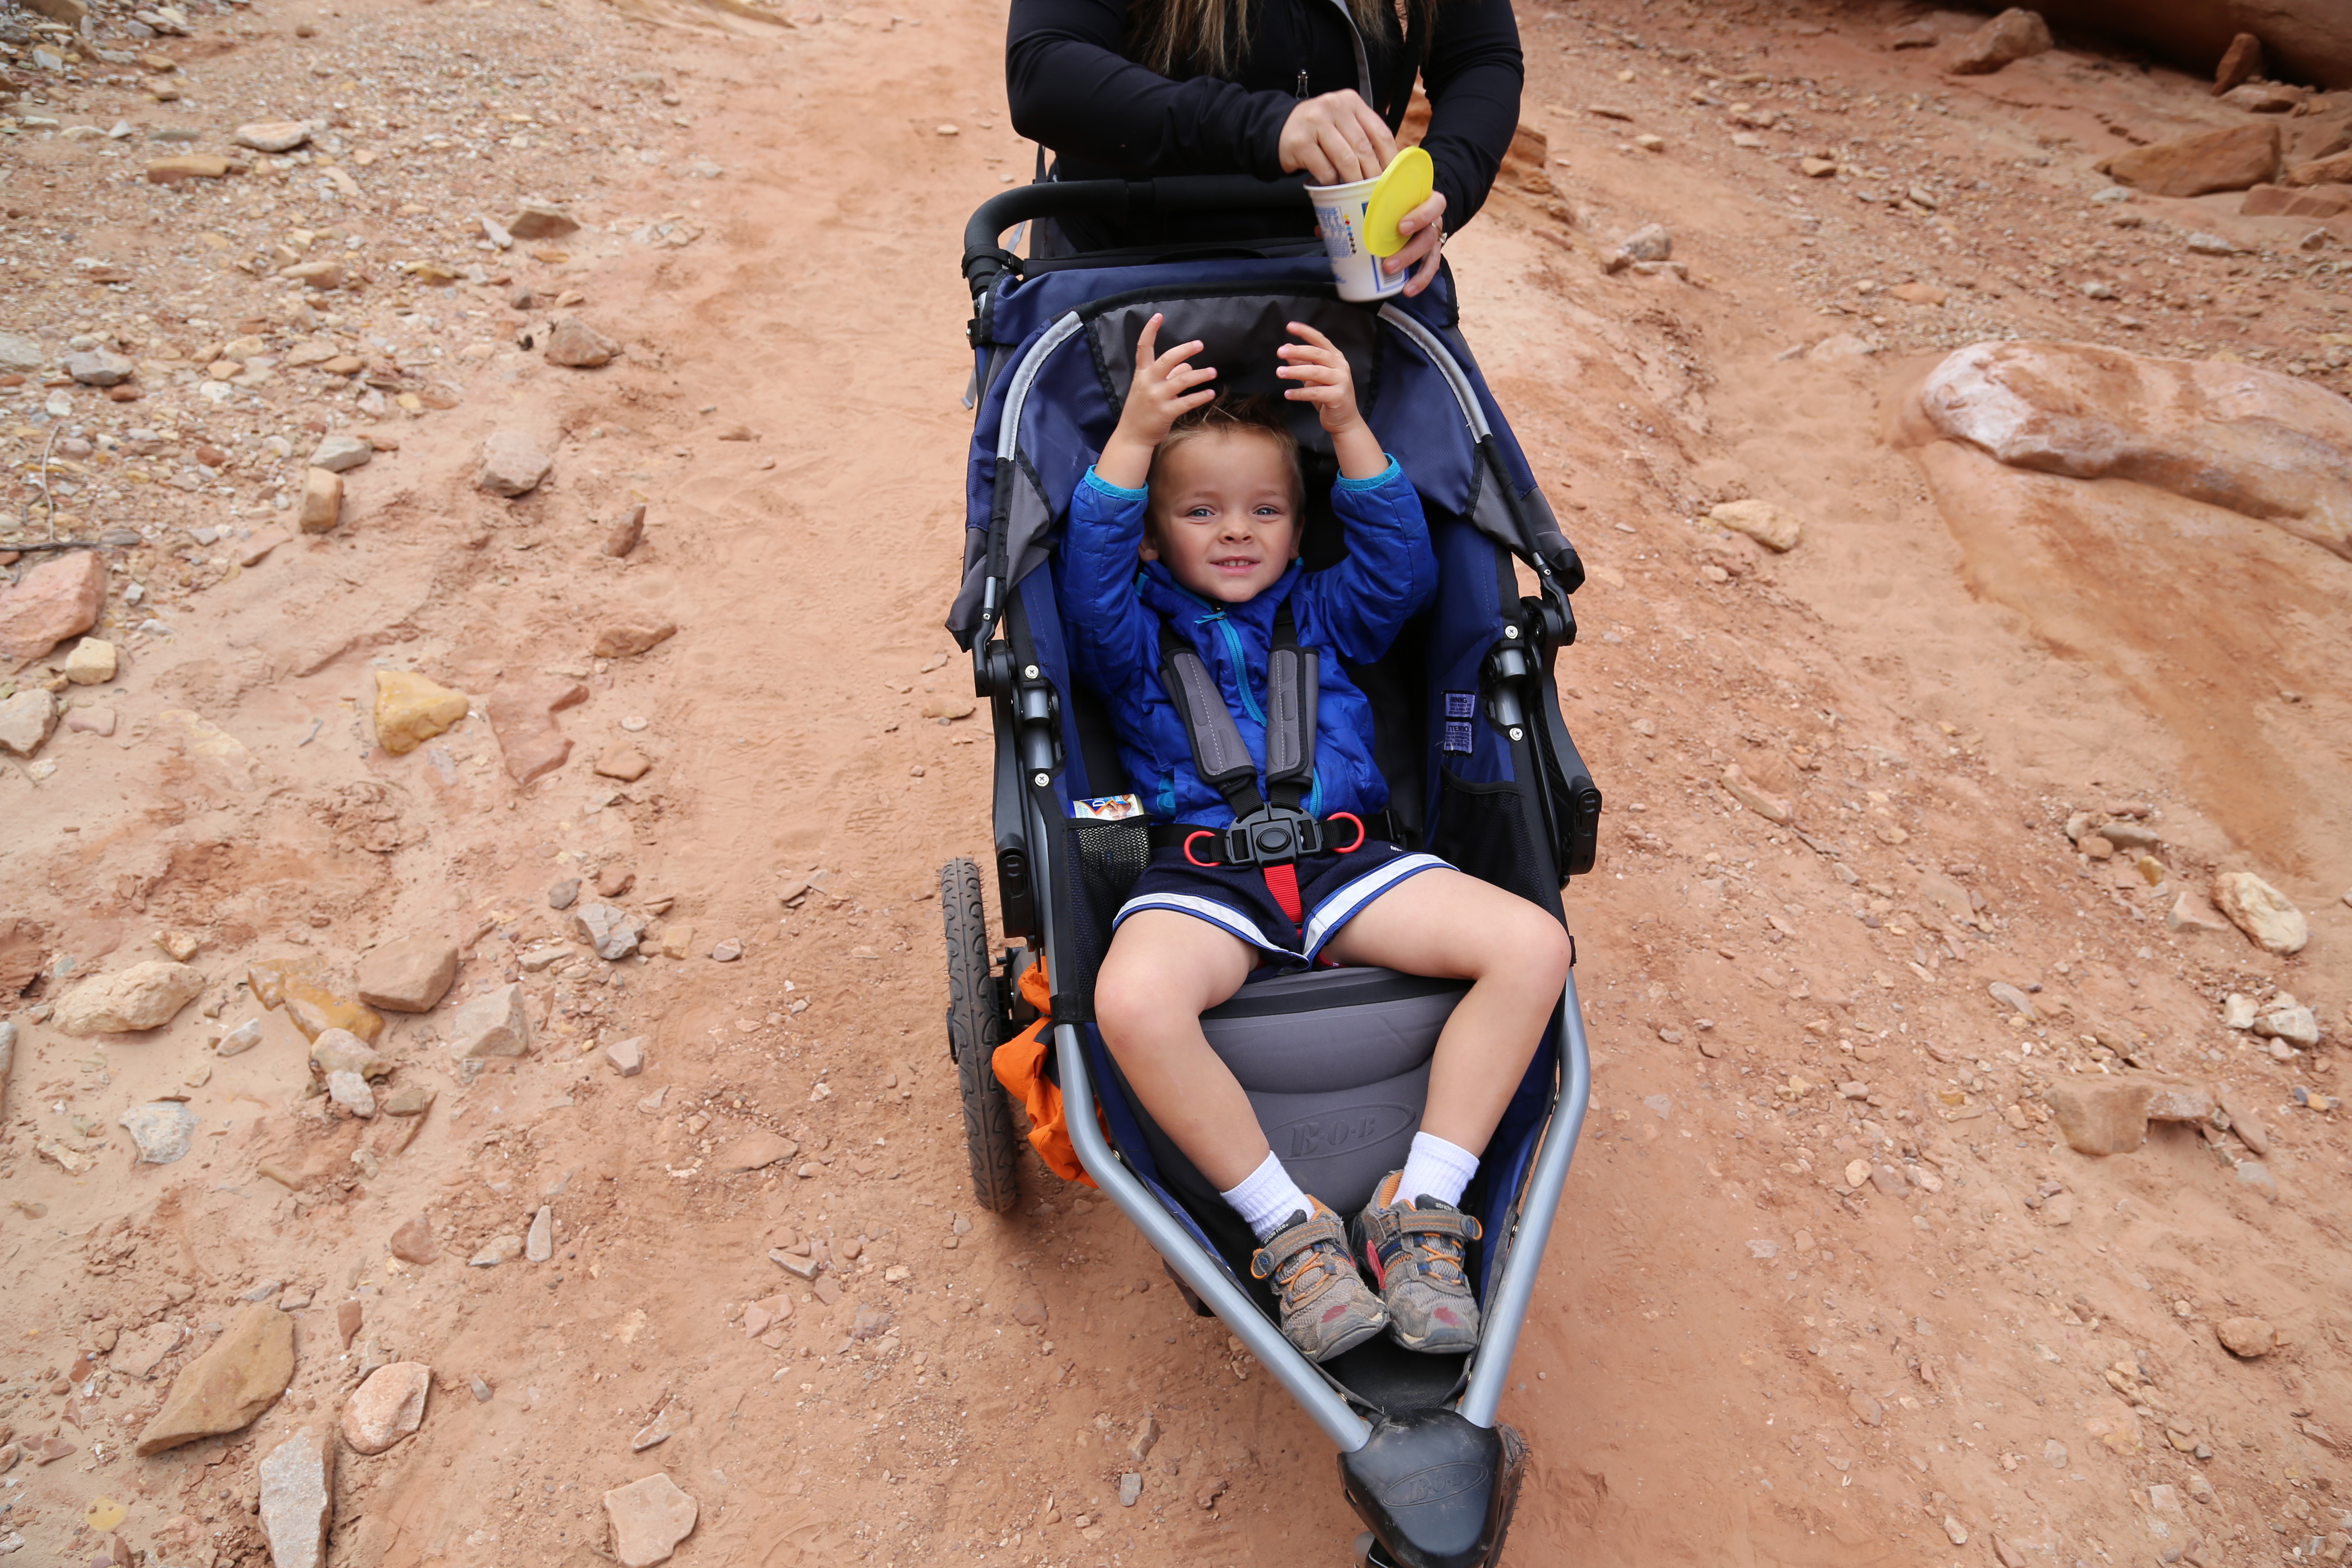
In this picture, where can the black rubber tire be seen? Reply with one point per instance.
(975, 1028)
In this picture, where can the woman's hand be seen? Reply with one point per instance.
(1163, 390)
(1324, 380)
(1424, 229)
(1336, 139)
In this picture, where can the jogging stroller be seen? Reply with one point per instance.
(1468, 734)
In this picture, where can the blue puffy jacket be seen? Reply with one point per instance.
(1113, 614)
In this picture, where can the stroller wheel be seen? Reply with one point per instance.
(975, 1029)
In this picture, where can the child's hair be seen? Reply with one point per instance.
(1254, 414)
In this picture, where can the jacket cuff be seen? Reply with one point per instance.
(1385, 476)
(1120, 492)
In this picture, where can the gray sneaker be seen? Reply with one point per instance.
(1414, 1251)
(1326, 1307)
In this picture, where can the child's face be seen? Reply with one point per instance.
(1224, 515)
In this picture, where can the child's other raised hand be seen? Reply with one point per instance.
(1166, 386)
(1323, 379)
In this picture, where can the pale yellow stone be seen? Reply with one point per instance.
(411, 710)
(322, 500)
(1762, 521)
(91, 663)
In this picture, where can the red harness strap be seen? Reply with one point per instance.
(1282, 881)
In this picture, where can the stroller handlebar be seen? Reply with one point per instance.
(984, 259)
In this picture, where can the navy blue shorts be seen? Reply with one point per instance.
(1331, 889)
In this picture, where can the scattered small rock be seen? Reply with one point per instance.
(93, 662)
(414, 1243)
(26, 720)
(55, 599)
(340, 454)
(2231, 159)
(497, 1251)
(613, 931)
(563, 894)
(1653, 243)
(626, 640)
(513, 464)
(340, 1051)
(143, 997)
(2270, 920)
(272, 135)
(1749, 794)
(2241, 63)
(388, 1406)
(2247, 1337)
(626, 531)
(627, 1057)
(575, 343)
(649, 1518)
(322, 500)
(350, 1091)
(728, 952)
(242, 1038)
(1768, 525)
(298, 1498)
(2014, 34)
(1130, 1487)
(410, 709)
(239, 1377)
(496, 1024)
(623, 761)
(754, 1150)
(2100, 1115)
(410, 975)
(538, 1246)
(408, 1099)
(541, 220)
(2011, 997)
(99, 367)
(161, 1131)
(2239, 1107)
(523, 718)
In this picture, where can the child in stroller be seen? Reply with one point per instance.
(1220, 661)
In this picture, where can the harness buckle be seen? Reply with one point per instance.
(1273, 836)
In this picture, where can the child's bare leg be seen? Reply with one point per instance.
(1449, 925)
(1163, 970)
(1443, 922)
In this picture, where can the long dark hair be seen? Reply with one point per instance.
(1213, 34)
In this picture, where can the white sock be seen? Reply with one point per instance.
(1435, 1169)
(1268, 1197)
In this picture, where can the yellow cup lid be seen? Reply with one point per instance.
(1403, 185)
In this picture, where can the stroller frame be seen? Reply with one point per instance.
(1437, 1483)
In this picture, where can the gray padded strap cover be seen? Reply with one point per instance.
(1217, 748)
(1290, 714)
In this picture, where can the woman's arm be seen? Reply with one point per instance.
(1473, 73)
(1071, 89)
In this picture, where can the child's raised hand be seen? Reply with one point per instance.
(1166, 386)
(1324, 380)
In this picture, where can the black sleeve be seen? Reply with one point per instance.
(1072, 90)
(1473, 74)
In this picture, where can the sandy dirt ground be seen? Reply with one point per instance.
(1827, 1287)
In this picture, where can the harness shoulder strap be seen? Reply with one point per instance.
(1290, 698)
(1218, 753)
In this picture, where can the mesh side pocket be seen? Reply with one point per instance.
(1482, 829)
(1100, 861)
